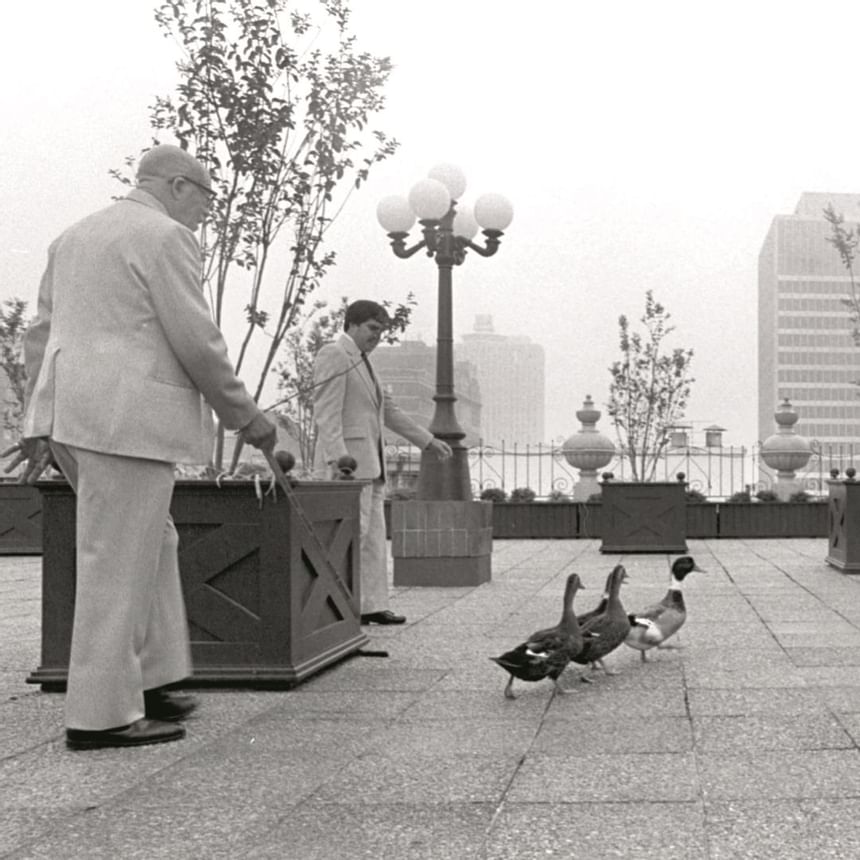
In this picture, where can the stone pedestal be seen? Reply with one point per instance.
(447, 543)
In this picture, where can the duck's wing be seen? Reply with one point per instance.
(644, 633)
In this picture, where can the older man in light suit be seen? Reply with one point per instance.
(122, 361)
(350, 410)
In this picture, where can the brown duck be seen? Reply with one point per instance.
(604, 631)
(546, 653)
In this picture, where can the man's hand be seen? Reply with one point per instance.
(36, 452)
(261, 433)
(441, 449)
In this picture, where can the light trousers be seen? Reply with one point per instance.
(130, 630)
(373, 551)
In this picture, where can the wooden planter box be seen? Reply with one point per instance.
(702, 520)
(773, 519)
(644, 517)
(843, 525)
(20, 520)
(264, 607)
(534, 520)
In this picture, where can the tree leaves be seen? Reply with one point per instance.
(283, 126)
(650, 389)
(13, 326)
(846, 240)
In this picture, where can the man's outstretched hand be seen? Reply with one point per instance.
(35, 452)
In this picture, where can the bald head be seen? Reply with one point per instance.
(166, 161)
(179, 181)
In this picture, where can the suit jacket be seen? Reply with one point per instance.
(124, 344)
(350, 410)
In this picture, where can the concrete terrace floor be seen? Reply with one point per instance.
(743, 744)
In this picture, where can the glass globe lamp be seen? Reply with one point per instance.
(493, 212)
(429, 199)
(395, 214)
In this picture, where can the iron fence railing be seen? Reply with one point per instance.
(716, 472)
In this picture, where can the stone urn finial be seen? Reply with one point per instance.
(786, 451)
(588, 450)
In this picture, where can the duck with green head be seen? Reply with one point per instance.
(652, 626)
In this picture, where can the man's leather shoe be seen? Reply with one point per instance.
(138, 734)
(384, 617)
(169, 707)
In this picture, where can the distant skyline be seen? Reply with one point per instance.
(644, 146)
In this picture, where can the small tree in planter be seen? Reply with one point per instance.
(282, 126)
(649, 389)
(523, 494)
(647, 396)
(493, 494)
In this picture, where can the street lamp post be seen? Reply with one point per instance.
(447, 231)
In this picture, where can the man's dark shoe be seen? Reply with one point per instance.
(138, 734)
(385, 617)
(169, 707)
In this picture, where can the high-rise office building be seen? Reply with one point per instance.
(408, 372)
(510, 373)
(806, 351)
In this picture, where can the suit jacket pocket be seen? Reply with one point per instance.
(176, 392)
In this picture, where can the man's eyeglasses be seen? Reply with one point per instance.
(207, 191)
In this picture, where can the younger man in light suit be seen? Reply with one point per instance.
(350, 410)
(120, 360)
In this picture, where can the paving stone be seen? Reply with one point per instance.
(535, 831)
(378, 779)
(783, 830)
(655, 777)
(769, 731)
(413, 831)
(777, 776)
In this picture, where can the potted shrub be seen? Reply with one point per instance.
(648, 394)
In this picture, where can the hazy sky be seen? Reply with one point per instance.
(643, 145)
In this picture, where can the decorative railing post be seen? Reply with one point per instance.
(588, 450)
(786, 451)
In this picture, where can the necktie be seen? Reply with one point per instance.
(369, 367)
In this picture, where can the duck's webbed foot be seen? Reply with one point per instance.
(509, 693)
(603, 666)
(562, 691)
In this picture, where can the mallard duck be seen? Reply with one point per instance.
(654, 625)
(546, 653)
(606, 629)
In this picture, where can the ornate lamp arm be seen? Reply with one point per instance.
(491, 245)
(398, 245)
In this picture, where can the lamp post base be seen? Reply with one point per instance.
(441, 543)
